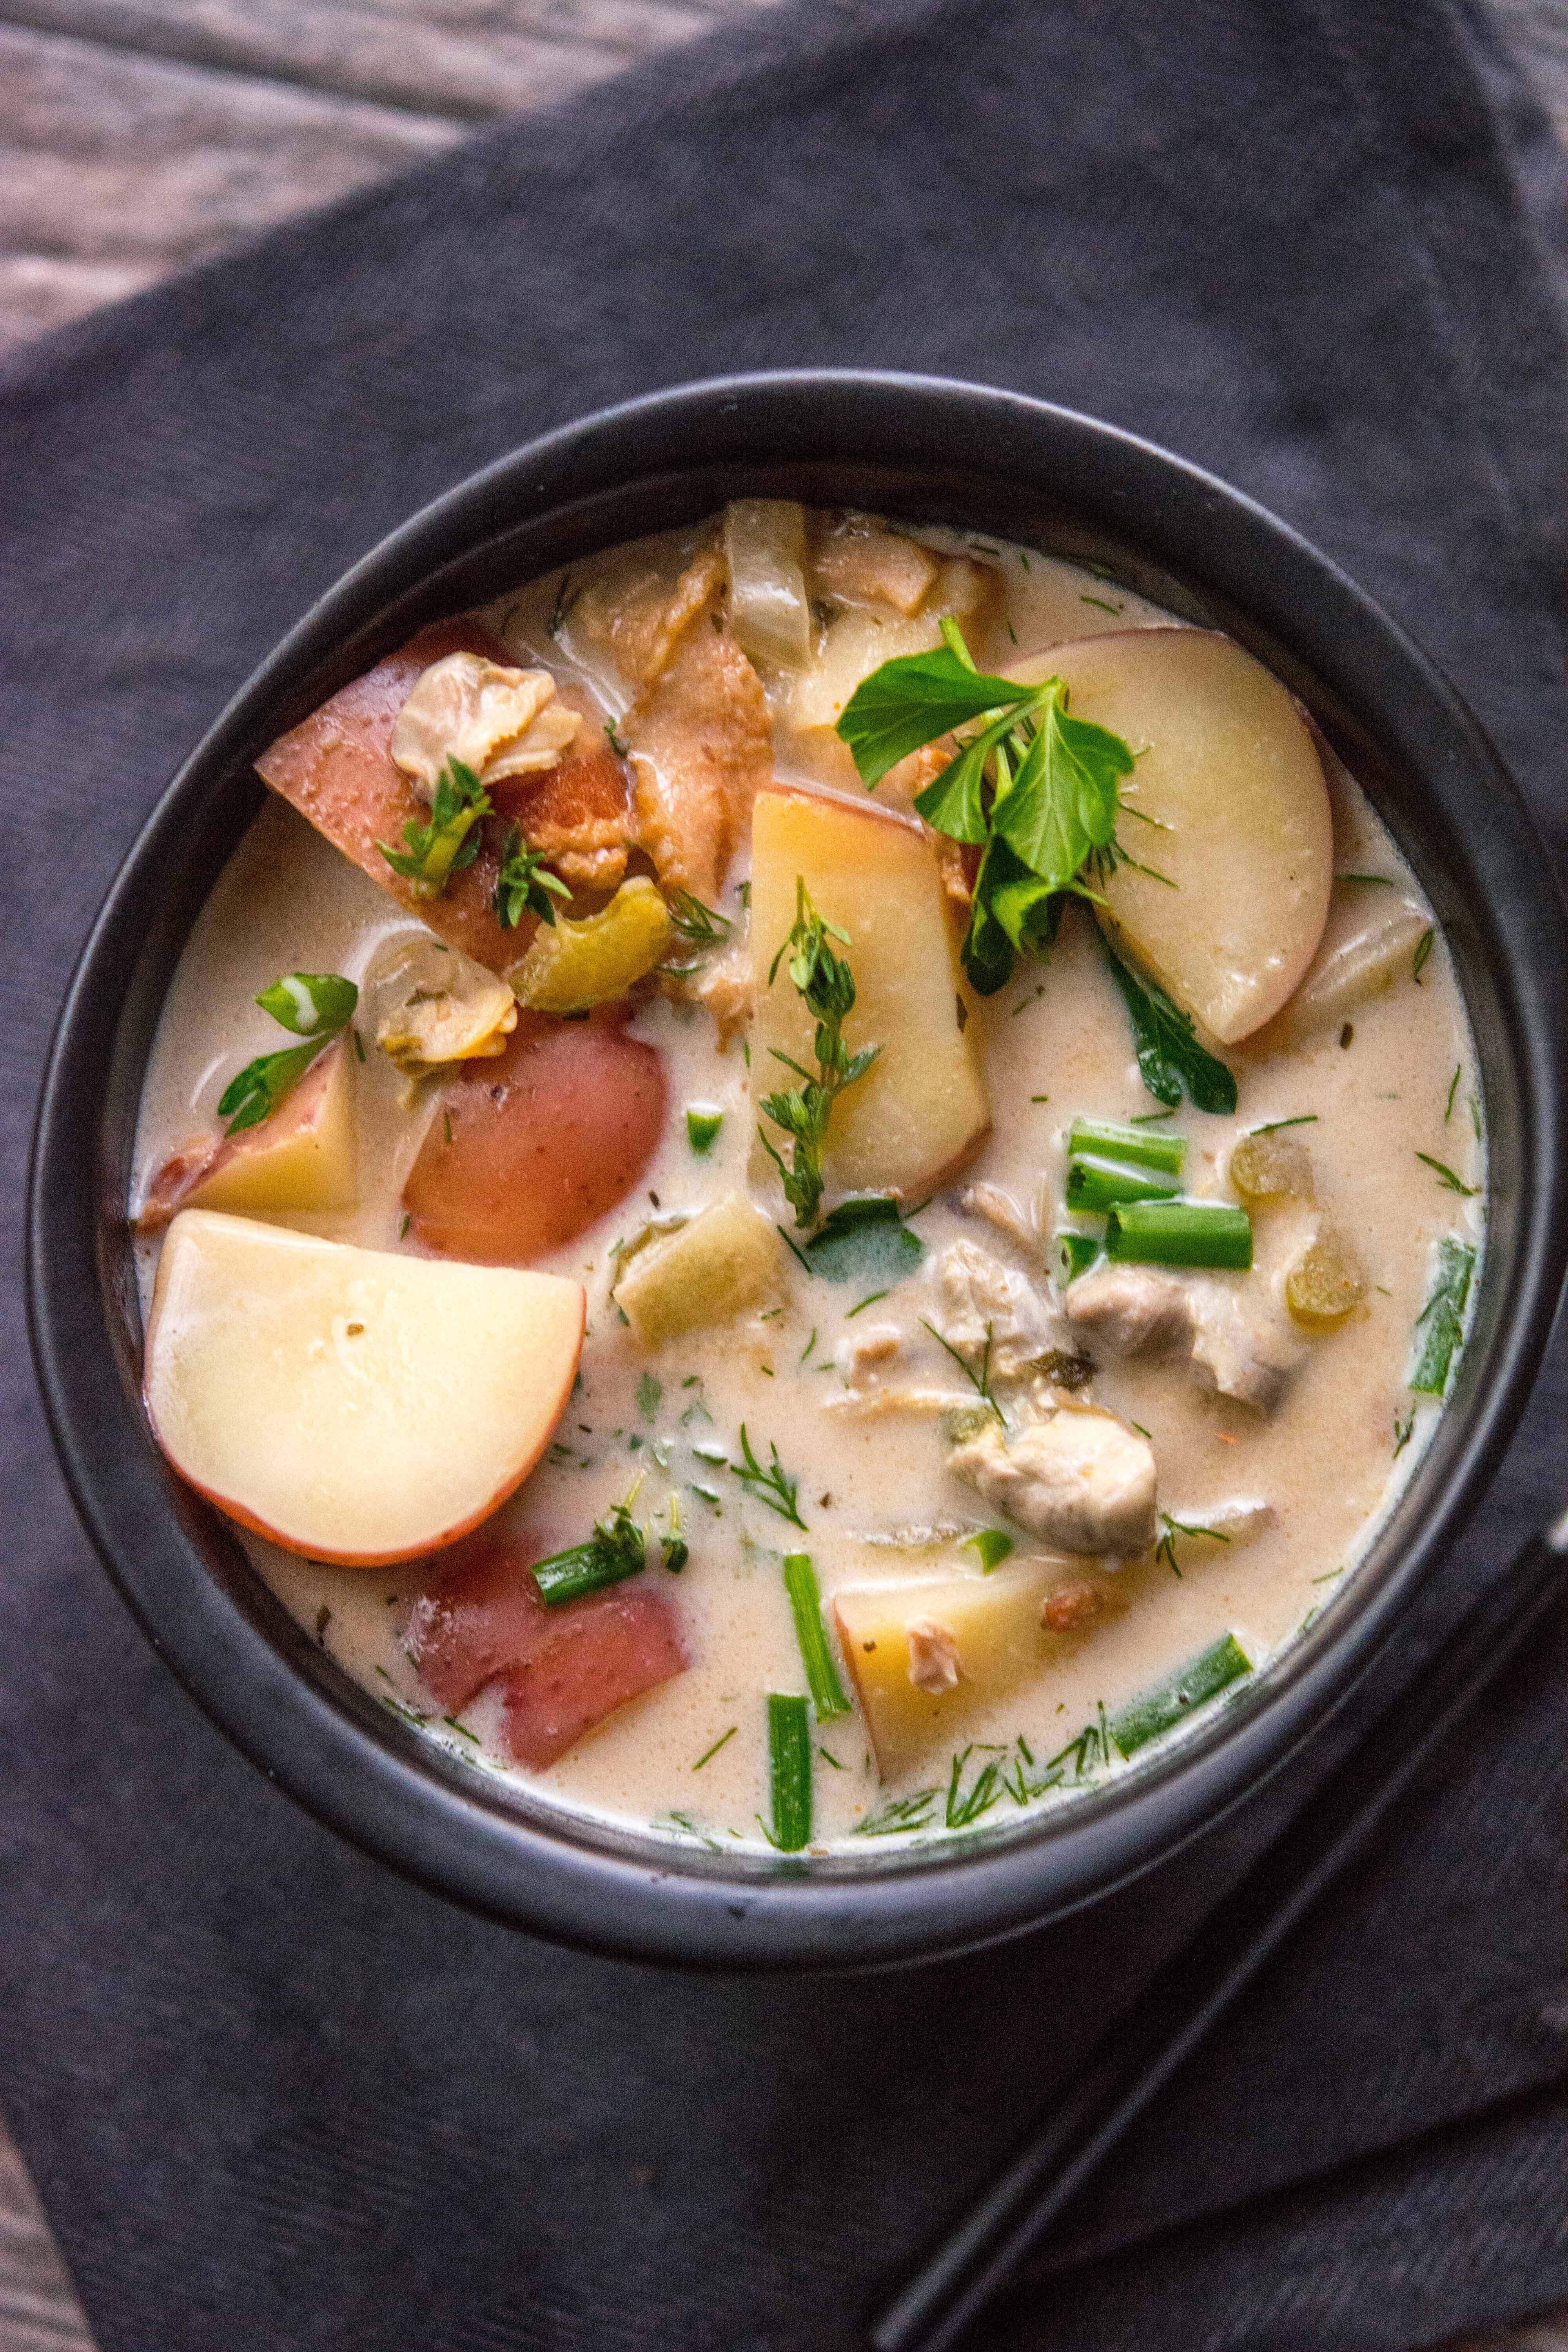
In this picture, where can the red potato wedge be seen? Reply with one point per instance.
(528, 1150)
(354, 1405)
(300, 1159)
(1239, 819)
(335, 768)
(920, 1111)
(563, 1671)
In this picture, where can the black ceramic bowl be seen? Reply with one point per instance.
(924, 450)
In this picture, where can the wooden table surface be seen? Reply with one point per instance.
(138, 135)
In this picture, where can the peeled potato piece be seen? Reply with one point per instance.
(920, 1110)
(729, 1258)
(1229, 776)
(299, 1161)
(354, 1405)
(921, 1654)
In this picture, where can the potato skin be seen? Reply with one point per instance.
(546, 1140)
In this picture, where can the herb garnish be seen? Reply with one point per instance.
(1453, 1090)
(1037, 788)
(704, 928)
(523, 885)
(1169, 1055)
(772, 1486)
(864, 1239)
(979, 1381)
(709, 1753)
(433, 853)
(614, 1550)
(316, 1006)
(1447, 1176)
(966, 1805)
(900, 1815)
(1423, 949)
(1441, 1322)
(1165, 1548)
(828, 986)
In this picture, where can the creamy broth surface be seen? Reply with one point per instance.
(852, 1389)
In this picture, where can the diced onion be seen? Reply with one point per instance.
(764, 540)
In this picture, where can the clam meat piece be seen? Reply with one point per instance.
(1139, 1311)
(441, 1007)
(498, 722)
(1081, 1479)
(992, 1315)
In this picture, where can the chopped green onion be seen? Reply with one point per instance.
(1441, 1321)
(1134, 1143)
(1096, 1181)
(703, 1121)
(827, 1690)
(614, 1550)
(254, 1092)
(310, 1003)
(1180, 1232)
(1075, 1253)
(990, 1545)
(789, 1771)
(1166, 1703)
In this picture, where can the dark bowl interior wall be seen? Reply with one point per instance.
(1028, 473)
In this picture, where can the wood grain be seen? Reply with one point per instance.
(138, 135)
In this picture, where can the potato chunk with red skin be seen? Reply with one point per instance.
(336, 768)
(561, 1671)
(528, 1150)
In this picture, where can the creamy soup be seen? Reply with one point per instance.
(666, 1399)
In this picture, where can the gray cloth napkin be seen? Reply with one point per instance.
(271, 2095)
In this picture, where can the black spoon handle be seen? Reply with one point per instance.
(1194, 1989)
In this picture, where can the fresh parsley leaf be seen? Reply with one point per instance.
(864, 1240)
(523, 885)
(908, 702)
(1169, 1054)
(1061, 804)
(433, 853)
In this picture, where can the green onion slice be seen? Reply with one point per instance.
(1074, 1253)
(1180, 1232)
(827, 1691)
(789, 1771)
(310, 1003)
(991, 1545)
(1141, 1145)
(703, 1121)
(614, 1550)
(1096, 1180)
(1167, 1703)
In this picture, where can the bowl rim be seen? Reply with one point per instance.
(352, 1766)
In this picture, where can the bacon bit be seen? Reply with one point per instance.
(1074, 1605)
(560, 1671)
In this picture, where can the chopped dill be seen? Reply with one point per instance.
(709, 1753)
